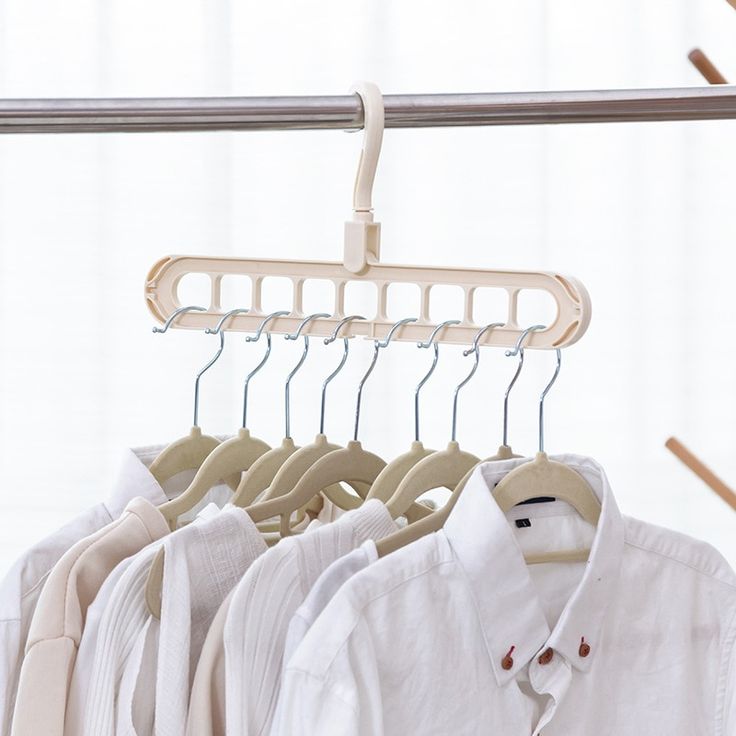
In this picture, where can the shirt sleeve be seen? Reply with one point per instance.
(331, 686)
(44, 681)
(309, 708)
(729, 704)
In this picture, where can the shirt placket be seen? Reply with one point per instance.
(549, 674)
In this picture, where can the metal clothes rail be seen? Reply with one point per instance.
(144, 115)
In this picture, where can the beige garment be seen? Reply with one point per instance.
(207, 702)
(58, 621)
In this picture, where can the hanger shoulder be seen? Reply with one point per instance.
(390, 477)
(229, 459)
(259, 476)
(443, 469)
(351, 464)
(186, 453)
(545, 477)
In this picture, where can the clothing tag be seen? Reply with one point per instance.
(523, 523)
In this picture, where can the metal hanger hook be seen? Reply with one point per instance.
(341, 365)
(209, 365)
(544, 396)
(287, 386)
(431, 342)
(223, 319)
(377, 345)
(170, 320)
(475, 348)
(518, 350)
(256, 338)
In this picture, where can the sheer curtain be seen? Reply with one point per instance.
(642, 213)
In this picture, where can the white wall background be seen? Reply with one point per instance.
(643, 214)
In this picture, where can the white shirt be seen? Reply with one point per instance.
(202, 563)
(21, 587)
(455, 634)
(264, 602)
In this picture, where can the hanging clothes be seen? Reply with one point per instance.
(456, 634)
(266, 599)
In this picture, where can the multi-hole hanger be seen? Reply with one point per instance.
(361, 263)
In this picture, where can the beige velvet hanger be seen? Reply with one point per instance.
(233, 456)
(441, 469)
(189, 452)
(297, 464)
(394, 473)
(353, 464)
(435, 520)
(260, 476)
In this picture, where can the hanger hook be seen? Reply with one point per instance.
(475, 348)
(346, 347)
(262, 326)
(287, 386)
(377, 345)
(169, 321)
(255, 338)
(431, 342)
(518, 350)
(544, 396)
(362, 235)
(223, 319)
(209, 365)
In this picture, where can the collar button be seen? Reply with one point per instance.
(546, 656)
(584, 650)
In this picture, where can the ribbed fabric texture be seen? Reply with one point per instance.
(266, 599)
(199, 572)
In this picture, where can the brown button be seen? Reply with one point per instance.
(508, 661)
(584, 650)
(546, 656)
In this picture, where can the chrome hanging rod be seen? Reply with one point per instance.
(148, 115)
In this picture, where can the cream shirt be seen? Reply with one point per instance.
(21, 587)
(57, 623)
(455, 634)
(264, 602)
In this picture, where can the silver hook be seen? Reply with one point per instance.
(295, 336)
(544, 395)
(432, 341)
(518, 350)
(256, 338)
(377, 345)
(346, 347)
(181, 310)
(223, 319)
(473, 349)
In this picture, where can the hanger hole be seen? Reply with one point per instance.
(194, 289)
(446, 302)
(277, 293)
(536, 307)
(490, 305)
(361, 297)
(318, 295)
(235, 292)
(403, 300)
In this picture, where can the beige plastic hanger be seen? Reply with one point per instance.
(232, 457)
(392, 475)
(188, 453)
(437, 519)
(298, 464)
(353, 464)
(261, 474)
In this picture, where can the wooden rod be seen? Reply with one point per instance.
(705, 66)
(702, 471)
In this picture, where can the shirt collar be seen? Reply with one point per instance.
(135, 479)
(509, 609)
